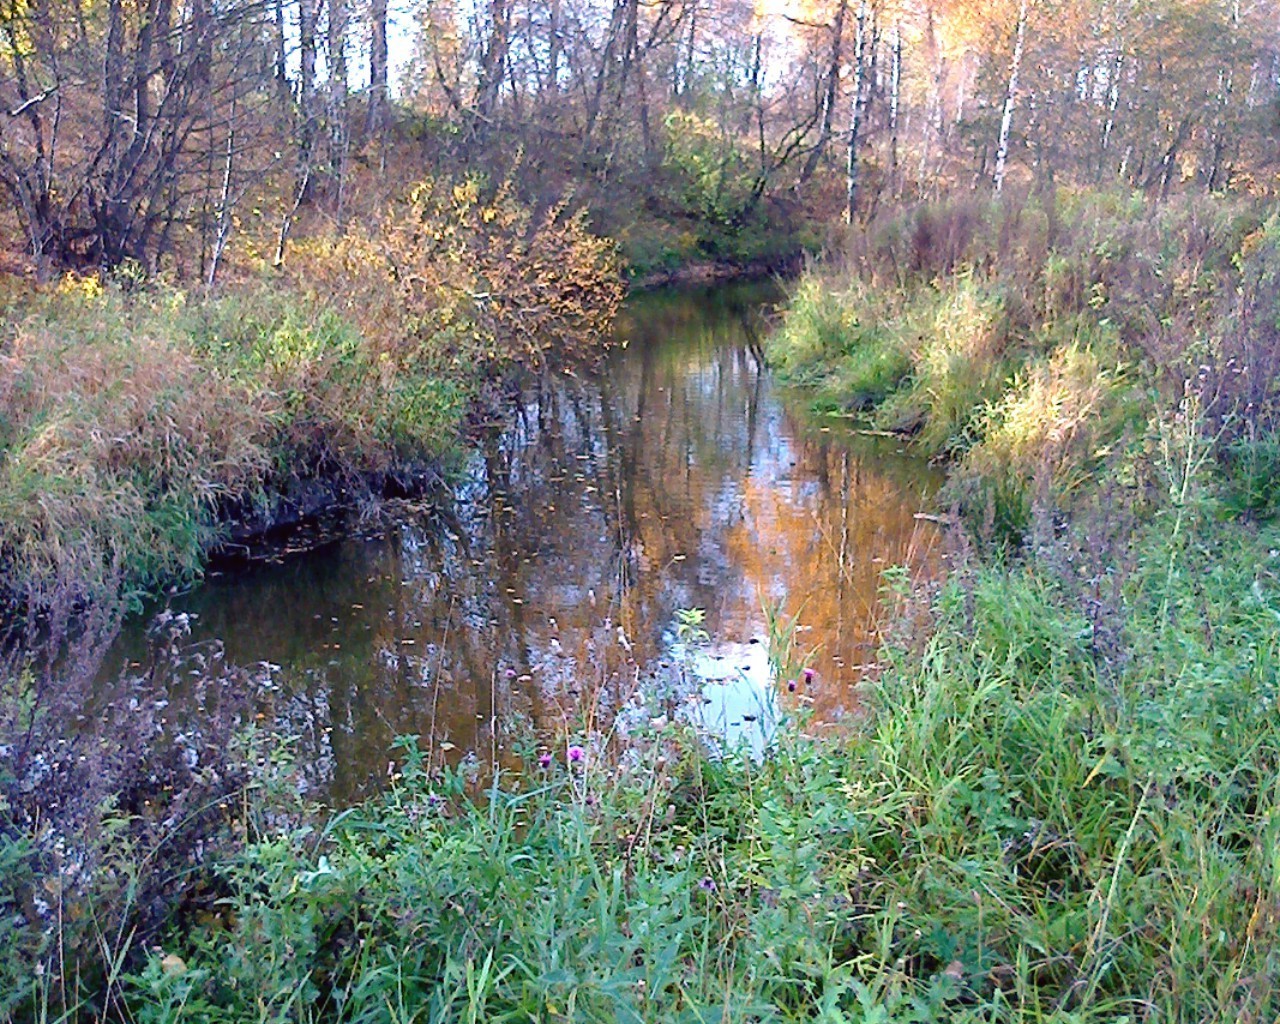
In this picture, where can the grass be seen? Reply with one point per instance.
(1061, 804)
(133, 423)
(996, 339)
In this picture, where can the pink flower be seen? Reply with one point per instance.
(575, 754)
(808, 675)
(791, 686)
(544, 761)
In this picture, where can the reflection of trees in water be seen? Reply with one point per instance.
(673, 479)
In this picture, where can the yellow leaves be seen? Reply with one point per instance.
(84, 286)
(16, 40)
(463, 278)
(467, 193)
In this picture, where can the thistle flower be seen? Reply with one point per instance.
(575, 754)
(791, 686)
(544, 760)
(707, 884)
(808, 675)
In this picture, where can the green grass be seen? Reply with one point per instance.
(1016, 350)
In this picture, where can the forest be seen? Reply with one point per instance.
(640, 510)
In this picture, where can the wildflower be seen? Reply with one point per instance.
(707, 884)
(544, 761)
(575, 754)
(808, 675)
(791, 686)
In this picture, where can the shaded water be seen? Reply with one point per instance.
(680, 477)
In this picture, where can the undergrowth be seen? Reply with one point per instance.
(136, 422)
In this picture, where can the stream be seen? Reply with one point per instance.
(678, 477)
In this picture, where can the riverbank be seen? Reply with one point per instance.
(1026, 343)
(144, 424)
(1061, 804)
(1057, 803)
(708, 272)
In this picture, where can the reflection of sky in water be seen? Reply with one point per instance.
(678, 478)
(738, 709)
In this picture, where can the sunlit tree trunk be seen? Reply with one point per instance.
(855, 115)
(1011, 97)
(278, 45)
(895, 97)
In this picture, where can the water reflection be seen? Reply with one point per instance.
(678, 478)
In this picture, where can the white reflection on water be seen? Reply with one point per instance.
(739, 707)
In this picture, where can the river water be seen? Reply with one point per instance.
(679, 477)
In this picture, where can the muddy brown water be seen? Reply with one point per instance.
(679, 477)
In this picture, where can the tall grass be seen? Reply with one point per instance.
(1020, 339)
(132, 423)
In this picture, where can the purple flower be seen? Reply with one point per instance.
(791, 686)
(808, 675)
(707, 884)
(544, 760)
(510, 673)
(575, 754)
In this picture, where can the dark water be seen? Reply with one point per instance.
(680, 477)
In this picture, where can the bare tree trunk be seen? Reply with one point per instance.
(493, 64)
(830, 92)
(553, 47)
(1011, 97)
(895, 96)
(377, 64)
(222, 231)
(278, 44)
(855, 116)
(336, 115)
(595, 101)
(337, 53)
(308, 15)
(1113, 102)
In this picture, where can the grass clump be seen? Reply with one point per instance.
(842, 345)
(1004, 334)
(133, 423)
(956, 344)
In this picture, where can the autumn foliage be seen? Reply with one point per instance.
(468, 280)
